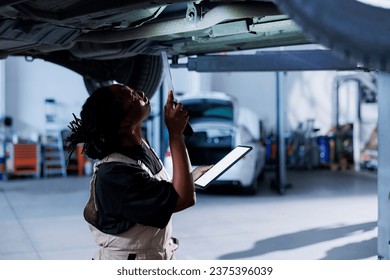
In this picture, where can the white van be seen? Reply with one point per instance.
(218, 128)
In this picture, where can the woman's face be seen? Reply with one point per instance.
(135, 103)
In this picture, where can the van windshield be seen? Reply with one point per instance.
(209, 108)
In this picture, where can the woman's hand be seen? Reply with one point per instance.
(175, 117)
(199, 171)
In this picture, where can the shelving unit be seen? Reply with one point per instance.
(53, 160)
(53, 155)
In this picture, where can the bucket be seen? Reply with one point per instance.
(323, 144)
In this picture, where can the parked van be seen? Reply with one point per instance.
(218, 128)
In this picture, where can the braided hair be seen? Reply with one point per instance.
(98, 127)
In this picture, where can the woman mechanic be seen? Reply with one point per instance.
(132, 197)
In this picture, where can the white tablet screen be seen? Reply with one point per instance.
(221, 166)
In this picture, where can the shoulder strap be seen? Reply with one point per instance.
(117, 157)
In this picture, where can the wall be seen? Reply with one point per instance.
(308, 95)
(254, 90)
(189, 81)
(30, 83)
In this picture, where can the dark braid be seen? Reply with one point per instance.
(98, 126)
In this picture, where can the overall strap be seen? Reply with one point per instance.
(117, 157)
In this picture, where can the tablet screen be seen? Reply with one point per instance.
(221, 166)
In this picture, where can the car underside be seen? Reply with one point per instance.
(122, 40)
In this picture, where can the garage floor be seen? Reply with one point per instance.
(325, 215)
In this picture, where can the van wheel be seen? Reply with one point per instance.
(253, 188)
(141, 72)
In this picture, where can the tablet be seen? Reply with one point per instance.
(222, 166)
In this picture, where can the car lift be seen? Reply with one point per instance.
(271, 61)
(311, 60)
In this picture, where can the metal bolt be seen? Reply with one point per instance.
(191, 16)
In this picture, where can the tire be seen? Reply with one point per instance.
(142, 72)
(253, 188)
(91, 84)
(356, 31)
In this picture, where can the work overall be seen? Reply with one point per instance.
(140, 242)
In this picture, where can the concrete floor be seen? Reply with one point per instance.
(325, 215)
